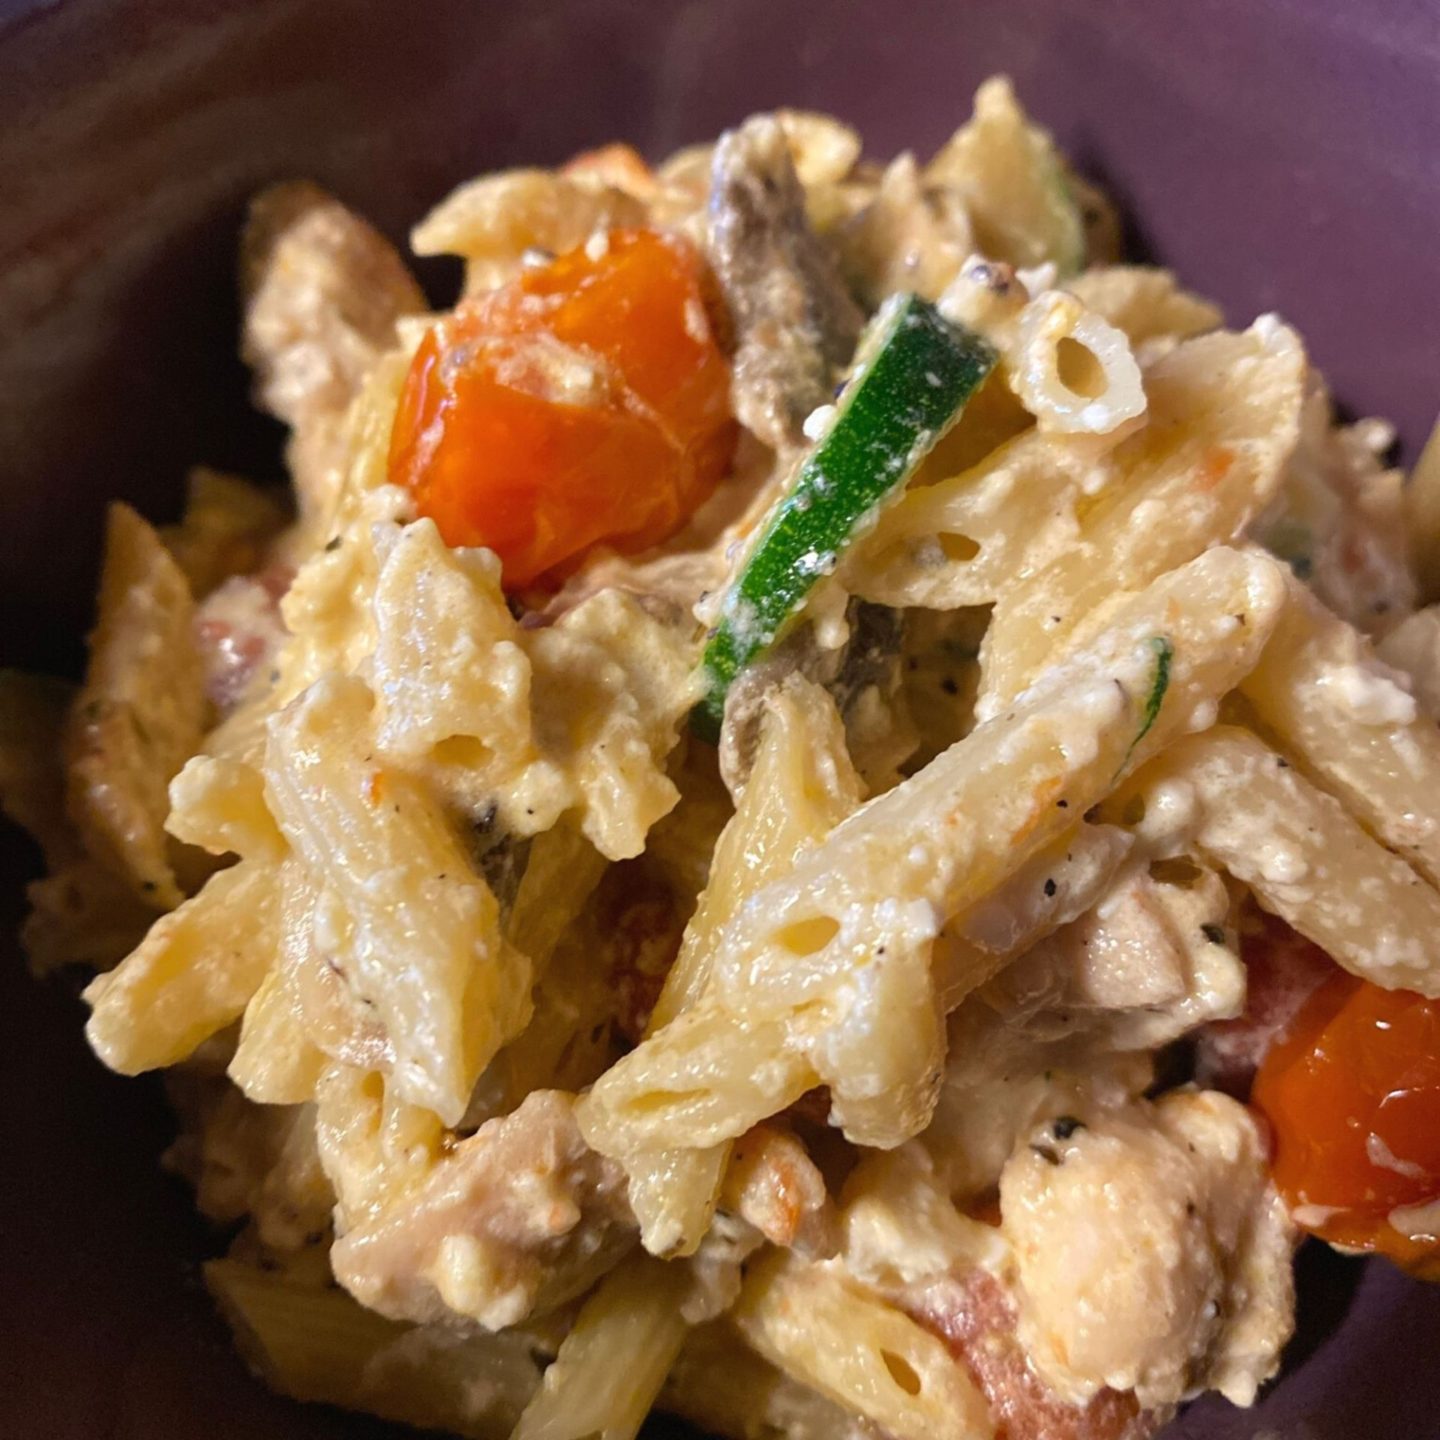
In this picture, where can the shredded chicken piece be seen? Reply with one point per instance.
(1150, 963)
(515, 1221)
(1152, 1251)
(717, 1268)
(999, 1081)
(796, 324)
(323, 290)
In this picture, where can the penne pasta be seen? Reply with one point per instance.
(1225, 416)
(314, 1343)
(801, 784)
(424, 944)
(860, 912)
(138, 716)
(1254, 815)
(679, 877)
(1352, 722)
(828, 1333)
(192, 975)
(614, 1360)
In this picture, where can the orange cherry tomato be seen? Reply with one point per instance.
(1352, 1094)
(587, 402)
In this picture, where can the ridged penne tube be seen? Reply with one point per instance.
(1251, 812)
(314, 1343)
(801, 784)
(614, 1360)
(191, 975)
(1351, 721)
(1011, 178)
(139, 714)
(424, 943)
(492, 221)
(282, 1050)
(1224, 417)
(1072, 371)
(966, 539)
(447, 660)
(562, 871)
(847, 1343)
(721, 1385)
(219, 805)
(275, 1063)
(952, 833)
(373, 1145)
(882, 1055)
(706, 1077)
(799, 955)
(674, 1193)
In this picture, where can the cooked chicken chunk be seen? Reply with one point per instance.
(1150, 963)
(1000, 1081)
(516, 1220)
(323, 291)
(1152, 1251)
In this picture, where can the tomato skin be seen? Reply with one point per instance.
(586, 402)
(1352, 1095)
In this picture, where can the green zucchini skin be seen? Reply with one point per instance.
(1164, 652)
(914, 373)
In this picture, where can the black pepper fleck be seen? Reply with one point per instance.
(1050, 888)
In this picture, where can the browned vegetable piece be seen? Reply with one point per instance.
(795, 322)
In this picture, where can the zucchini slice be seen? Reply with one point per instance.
(913, 374)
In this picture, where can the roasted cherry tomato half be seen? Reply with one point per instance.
(587, 402)
(1352, 1093)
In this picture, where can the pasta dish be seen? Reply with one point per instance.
(821, 813)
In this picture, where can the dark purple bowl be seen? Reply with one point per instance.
(1280, 154)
